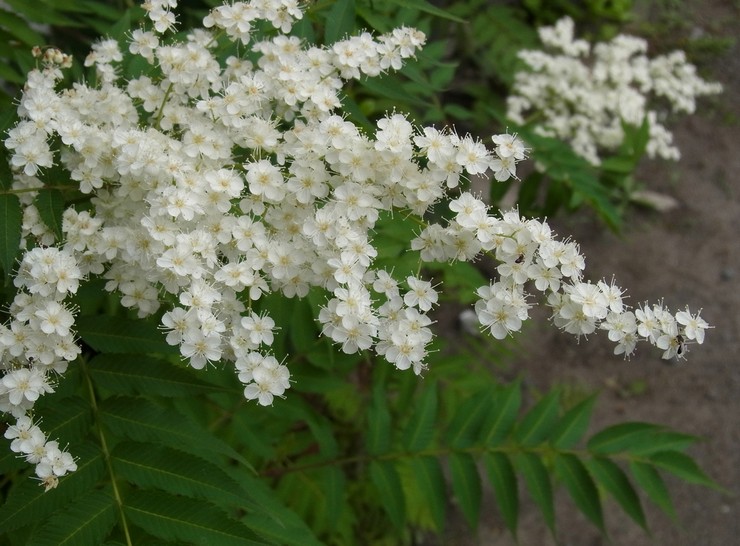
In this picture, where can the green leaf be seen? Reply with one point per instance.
(141, 420)
(431, 484)
(340, 21)
(665, 440)
(157, 467)
(140, 374)
(50, 205)
(67, 419)
(19, 28)
(683, 466)
(503, 479)
(652, 483)
(10, 231)
(466, 486)
(622, 437)
(275, 520)
(28, 504)
(86, 521)
(172, 518)
(423, 5)
(502, 415)
(379, 423)
(419, 431)
(390, 493)
(581, 487)
(612, 478)
(572, 426)
(107, 334)
(465, 426)
(537, 424)
(303, 332)
(40, 12)
(537, 479)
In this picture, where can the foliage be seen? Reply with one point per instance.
(358, 452)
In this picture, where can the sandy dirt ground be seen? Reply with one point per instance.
(689, 255)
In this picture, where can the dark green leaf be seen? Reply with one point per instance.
(609, 476)
(10, 231)
(665, 440)
(683, 466)
(20, 29)
(538, 423)
(141, 420)
(28, 504)
(652, 483)
(423, 5)
(504, 482)
(50, 205)
(140, 374)
(340, 21)
(87, 520)
(67, 419)
(466, 486)
(505, 404)
(572, 426)
(157, 467)
(171, 518)
(465, 426)
(431, 484)
(108, 334)
(581, 487)
(419, 432)
(388, 485)
(538, 483)
(622, 437)
(379, 423)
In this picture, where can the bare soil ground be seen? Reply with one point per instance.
(687, 256)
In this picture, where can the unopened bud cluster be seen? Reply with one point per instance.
(213, 183)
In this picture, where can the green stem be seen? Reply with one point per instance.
(106, 452)
(160, 112)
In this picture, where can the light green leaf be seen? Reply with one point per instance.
(87, 520)
(107, 334)
(10, 231)
(141, 420)
(340, 21)
(537, 424)
(612, 478)
(505, 404)
(140, 374)
(573, 425)
(388, 485)
(466, 486)
(652, 483)
(622, 437)
(537, 479)
(157, 467)
(50, 205)
(27, 503)
(431, 484)
(581, 487)
(504, 482)
(172, 518)
(419, 432)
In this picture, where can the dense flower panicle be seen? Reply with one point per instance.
(583, 94)
(214, 184)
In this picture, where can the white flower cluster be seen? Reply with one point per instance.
(582, 95)
(213, 184)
